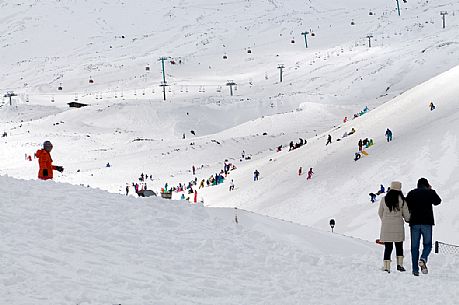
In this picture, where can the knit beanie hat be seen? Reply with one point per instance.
(47, 145)
(396, 186)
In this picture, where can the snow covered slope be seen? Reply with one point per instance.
(64, 244)
(46, 44)
(425, 145)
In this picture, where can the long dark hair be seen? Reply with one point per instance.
(392, 198)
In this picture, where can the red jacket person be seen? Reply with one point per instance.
(46, 162)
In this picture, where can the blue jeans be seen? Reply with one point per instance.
(416, 232)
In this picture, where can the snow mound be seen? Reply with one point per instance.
(64, 244)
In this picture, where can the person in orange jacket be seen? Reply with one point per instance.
(46, 163)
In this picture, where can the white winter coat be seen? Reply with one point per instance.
(392, 225)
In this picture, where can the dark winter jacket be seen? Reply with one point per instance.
(420, 203)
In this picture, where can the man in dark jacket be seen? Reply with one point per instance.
(420, 202)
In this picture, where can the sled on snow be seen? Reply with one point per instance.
(146, 193)
(364, 153)
(166, 195)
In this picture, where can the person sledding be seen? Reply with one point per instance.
(372, 197)
(357, 156)
(381, 190)
(45, 162)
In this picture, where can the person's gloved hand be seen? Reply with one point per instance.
(59, 169)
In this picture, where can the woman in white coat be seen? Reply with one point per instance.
(393, 211)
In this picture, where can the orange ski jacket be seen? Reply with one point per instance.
(46, 164)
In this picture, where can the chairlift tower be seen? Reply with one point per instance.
(163, 83)
(10, 94)
(369, 40)
(281, 68)
(443, 14)
(230, 83)
(305, 38)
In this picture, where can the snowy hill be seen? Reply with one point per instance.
(47, 44)
(424, 145)
(64, 244)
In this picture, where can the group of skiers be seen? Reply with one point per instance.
(415, 209)
(190, 187)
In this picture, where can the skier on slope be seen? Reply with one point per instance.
(46, 163)
(300, 171)
(310, 172)
(328, 140)
(388, 135)
(432, 106)
(256, 174)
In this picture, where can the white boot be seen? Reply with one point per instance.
(400, 264)
(386, 266)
